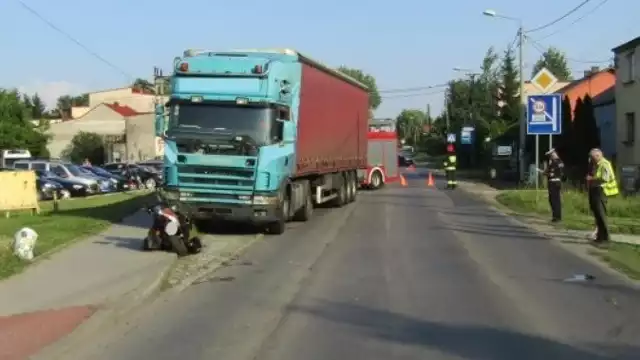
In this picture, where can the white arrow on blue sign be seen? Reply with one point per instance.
(451, 138)
(544, 114)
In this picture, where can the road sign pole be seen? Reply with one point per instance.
(550, 142)
(537, 163)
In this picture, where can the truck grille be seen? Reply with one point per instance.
(211, 183)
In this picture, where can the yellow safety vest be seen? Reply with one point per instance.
(609, 187)
(451, 163)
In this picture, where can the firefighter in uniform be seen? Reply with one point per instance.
(450, 170)
(602, 185)
(554, 173)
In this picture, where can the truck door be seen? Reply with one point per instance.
(390, 158)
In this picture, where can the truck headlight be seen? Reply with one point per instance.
(265, 200)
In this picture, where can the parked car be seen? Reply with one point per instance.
(119, 182)
(405, 160)
(62, 170)
(46, 188)
(104, 183)
(72, 186)
(150, 179)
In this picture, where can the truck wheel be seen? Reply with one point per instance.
(354, 186)
(278, 227)
(305, 213)
(376, 180)
(343, 193)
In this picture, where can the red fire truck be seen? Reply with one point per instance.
(382, 155)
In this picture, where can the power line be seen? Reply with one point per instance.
(413, 95)
(575, 21)
(541, 49)
(583, 3)
(73, 39)
(412, 89)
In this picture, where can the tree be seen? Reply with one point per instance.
(16, 129)
(143, 85)
(564, 142)
(85, 145)
(80, 100)
(39, 108)
(374, 96)
(555, 61)
(509, 89)
(409, 125)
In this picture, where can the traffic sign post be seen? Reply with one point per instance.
(544, 117)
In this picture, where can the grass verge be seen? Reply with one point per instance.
(623, 215)
(75, 219)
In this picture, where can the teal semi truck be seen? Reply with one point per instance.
(261, 136)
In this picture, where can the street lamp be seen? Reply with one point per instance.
(523, 120)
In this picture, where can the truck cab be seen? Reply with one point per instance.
(228, 134)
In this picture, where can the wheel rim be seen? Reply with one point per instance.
(376, 179)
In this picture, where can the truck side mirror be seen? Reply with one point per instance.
(159, 120)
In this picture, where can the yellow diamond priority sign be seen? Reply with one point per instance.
(544, 80)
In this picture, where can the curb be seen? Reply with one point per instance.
(111, 312)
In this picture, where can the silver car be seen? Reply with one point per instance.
(64, 170)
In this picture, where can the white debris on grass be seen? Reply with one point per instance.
(24, 242)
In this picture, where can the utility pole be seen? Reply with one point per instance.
(523, 116)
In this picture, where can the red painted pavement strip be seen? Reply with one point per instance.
(23, 335)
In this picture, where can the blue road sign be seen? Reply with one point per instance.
(451, 138)
(466, 135)
(544, 114)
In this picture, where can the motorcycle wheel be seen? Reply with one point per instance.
(178, 245)
(146, 244)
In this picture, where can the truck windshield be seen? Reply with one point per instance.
(254, 122)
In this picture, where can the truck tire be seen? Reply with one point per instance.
(351, 186)
(343, 192)
(306, 211)
(278, 227)
(354, 184)
(376, 180)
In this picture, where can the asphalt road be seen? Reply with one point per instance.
(406, 273)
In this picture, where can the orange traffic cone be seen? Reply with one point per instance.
(430, 182)
(403, 181)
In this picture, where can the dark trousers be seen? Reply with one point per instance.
(451, 178)
(598, 205)
(555, 199)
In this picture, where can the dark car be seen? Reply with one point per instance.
(118, 181)
(75, 188)
(150, 179)
(404, 161)
(48, 188)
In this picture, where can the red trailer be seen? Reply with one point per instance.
(382, 154)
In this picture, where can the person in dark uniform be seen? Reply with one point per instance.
(554, 173)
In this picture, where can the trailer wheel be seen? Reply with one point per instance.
(306, 212)
(352, 183)
(343, 192)
(376, 180)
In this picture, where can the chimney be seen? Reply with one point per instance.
(587, 73)
(595, 69)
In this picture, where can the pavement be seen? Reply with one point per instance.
(71, 295)
(411, 272)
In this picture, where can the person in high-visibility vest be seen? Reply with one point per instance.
(602, 185)
(449, 165)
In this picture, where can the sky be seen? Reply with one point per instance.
(402, 43)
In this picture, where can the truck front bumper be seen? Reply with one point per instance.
(257, 209)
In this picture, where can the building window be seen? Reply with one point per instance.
(631, 64)
(630, 123)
